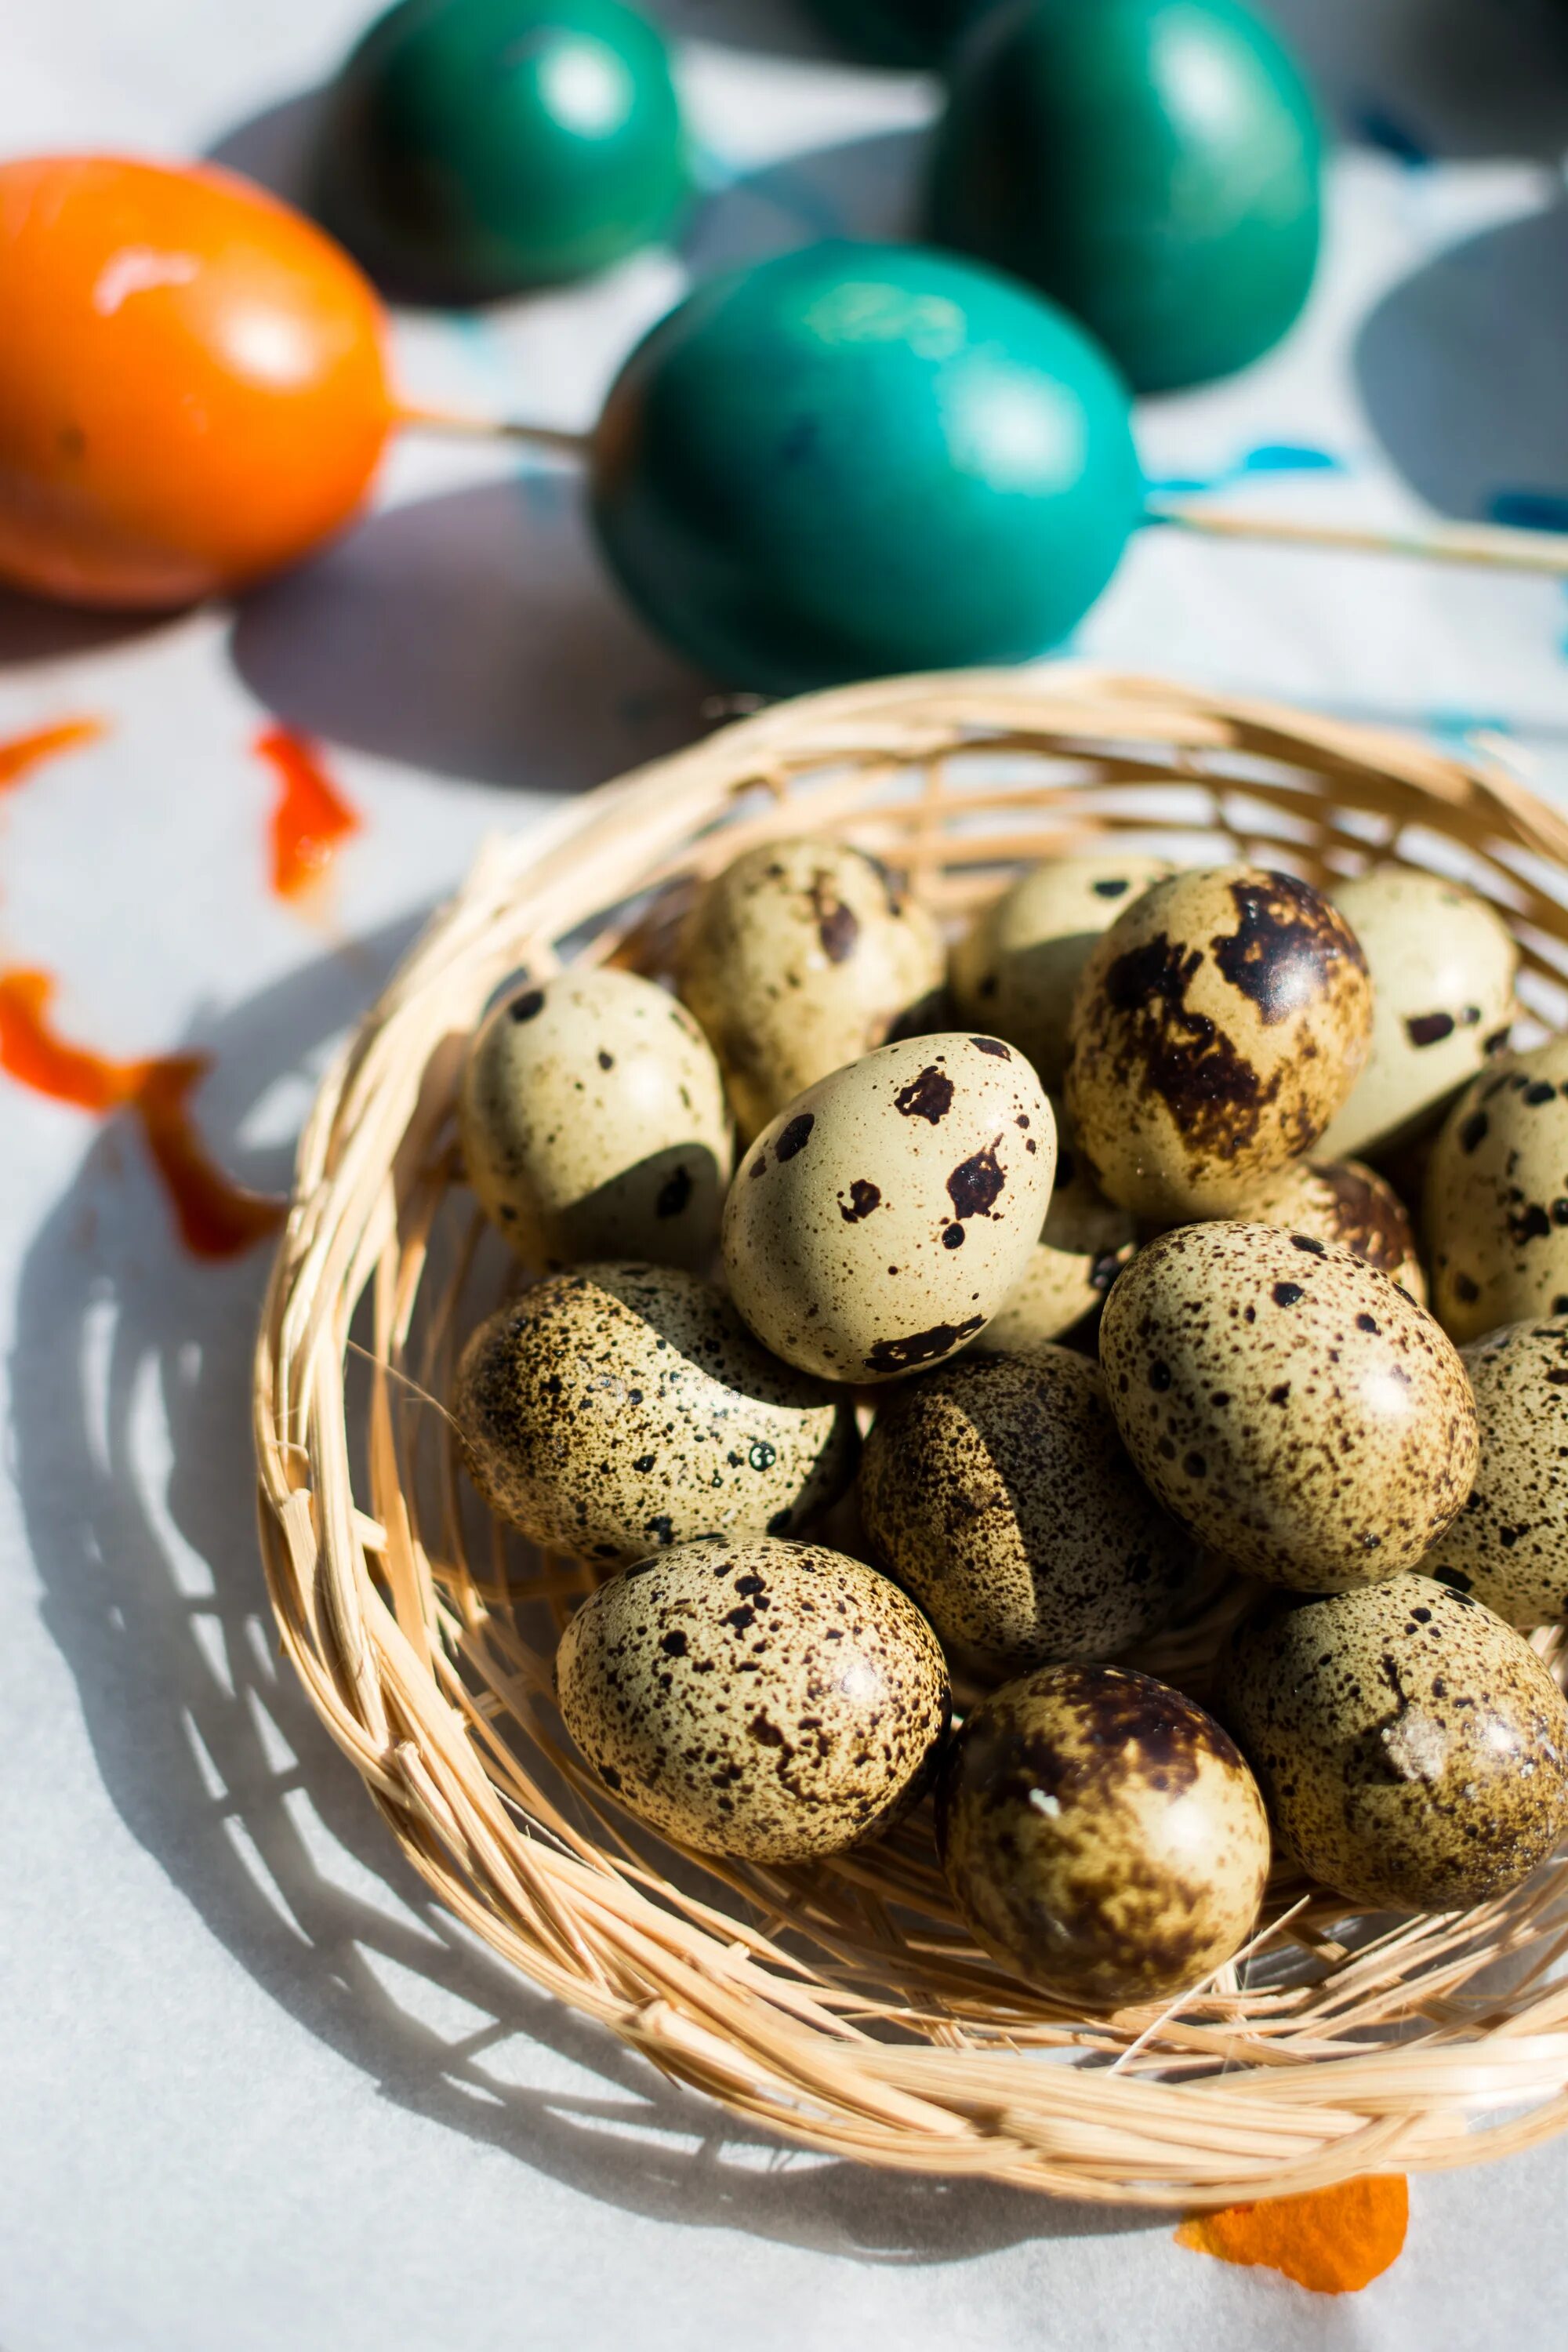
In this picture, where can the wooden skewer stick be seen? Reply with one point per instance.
(1488, 546)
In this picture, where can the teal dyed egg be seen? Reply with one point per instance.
(1152, 165)
(471, 148)
(858, 459)
(909, 32)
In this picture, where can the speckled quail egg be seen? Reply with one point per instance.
(1084, 1244)
(771, 1701)
(1443, 965)
(593, 1123)
(1288, 1404)
(1015, 970)
(998, 1493)
(1219, 1024)
(1102, 1836)
(882, 1218)
(1497, 1197)
(616, 1408)
(1508, 1546)
(1411, 1747)
(1340, 1200)
(801, 956)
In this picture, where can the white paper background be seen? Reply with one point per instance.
(254, 2090)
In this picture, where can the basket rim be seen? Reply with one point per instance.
(345, 1586)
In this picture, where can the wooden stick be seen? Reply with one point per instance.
(1490, 546)
(550, 437)
(1486, 544)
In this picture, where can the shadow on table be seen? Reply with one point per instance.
(133, 1464)
(1430, 79)
(475, 634)
(1462, 367)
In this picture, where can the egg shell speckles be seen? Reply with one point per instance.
(1497, 1197)
(1017, 967)
(1508, 1546)
(1411, 1747)
(593, 1123)
(1084, 1244)
(881, 1220)
(1102, 1836)
(1443, 965)
(618, 1408)
(775, 1702)
(1219, 1024)
(1340, 1200)
(998, 1493)
(800, 957)
(1288, 1404)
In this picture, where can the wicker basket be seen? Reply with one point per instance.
(845, 2005)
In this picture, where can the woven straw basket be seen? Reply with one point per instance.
(844, 2004)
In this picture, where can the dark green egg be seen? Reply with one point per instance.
(1152, 165)
(471, 148)
(910, 33)
(856, 459)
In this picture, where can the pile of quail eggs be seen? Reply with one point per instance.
(1091, 1221)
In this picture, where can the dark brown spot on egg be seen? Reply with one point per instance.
(864, 1197)
(926, 1346)
(528, 1006)
(1287, 946)
(1428, 1028)
(795, 1135)
(928, 1096)
(977, 1183)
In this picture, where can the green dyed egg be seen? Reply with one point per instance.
(1153, 164)
(856, 459)
(910, 33)
(473, 147)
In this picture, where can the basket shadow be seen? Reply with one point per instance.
(1461, 369)
(134, 1466)
(473, 633)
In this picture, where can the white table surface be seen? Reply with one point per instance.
(255, 2091)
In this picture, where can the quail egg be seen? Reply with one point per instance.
(1411, 1747)
(1294, 1409)
(593, 1123)
(775, 1702)
(801, 956)
(616, 1408)
(1443, 965)
(1497, 1197)
(1340, 1200)
(884, 1216)
(1016, 970)
(1084, 1244)
(1102, 1836)
(998, 1493)
(1508, 1546)
(1219, 1025)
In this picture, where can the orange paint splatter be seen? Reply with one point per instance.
(217, 1217)
(310, 818)
(22, 753)
(1334, 2242)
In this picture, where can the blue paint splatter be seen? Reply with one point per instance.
(1461, 727)
(1268, 457)
(1530, 510)
(1386, 132)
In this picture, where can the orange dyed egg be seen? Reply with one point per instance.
(192, 381)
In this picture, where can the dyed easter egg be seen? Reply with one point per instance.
(855, 459)
(472, 147)
(192, 381)
(1153, 164)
